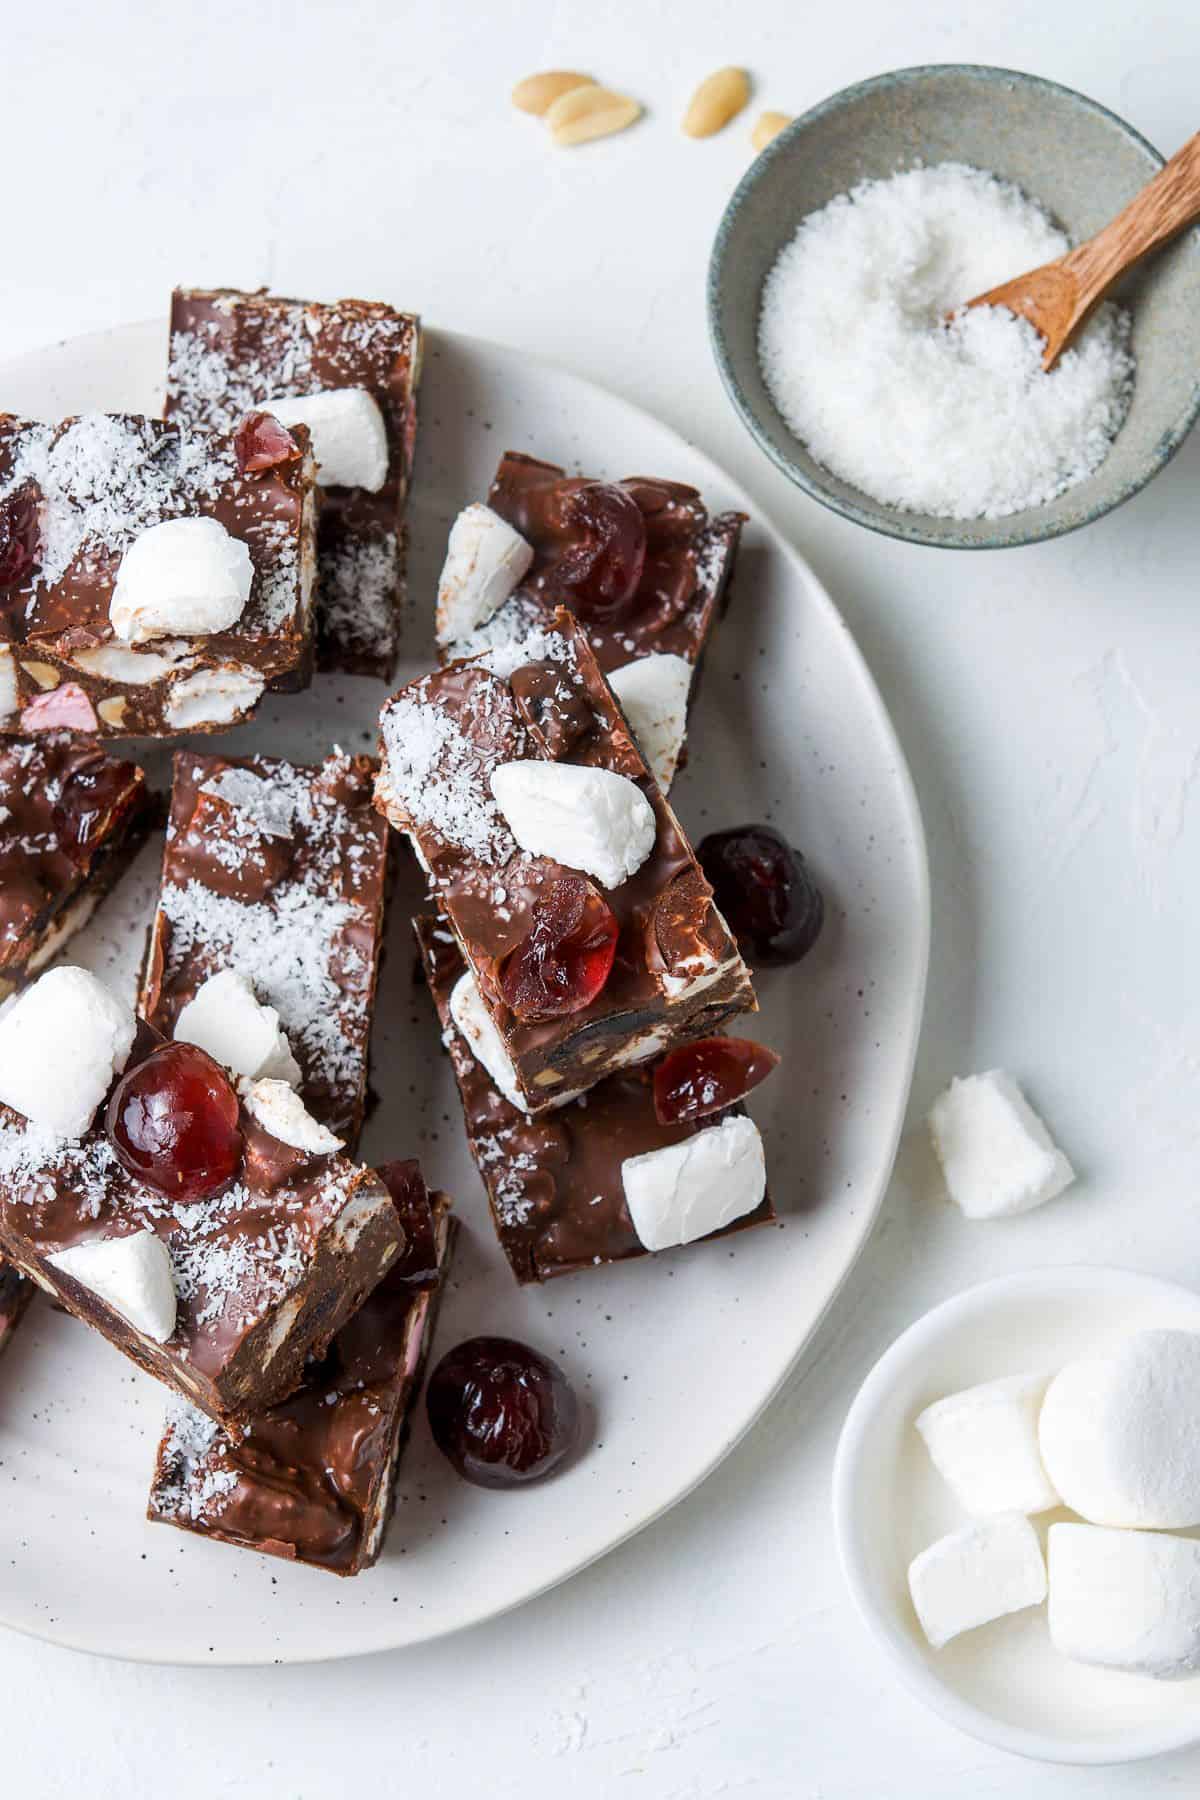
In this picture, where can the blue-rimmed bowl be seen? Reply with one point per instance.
(1077, 158)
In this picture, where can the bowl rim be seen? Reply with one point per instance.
(892, 522)
(861, 1420)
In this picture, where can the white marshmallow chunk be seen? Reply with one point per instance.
(213, 696)
(654, 696)
(1126, 1600)
(185, 577)
(486, 561)
(61, 1044)
(989, 1568)
(226, 1019)
(130, 1274)
(1120, 1434)
(996, 1154)
(349, 438)
(279, 1109)
(8, 683)
(690, 1189)
(478, 1031)
(589, 819)
(984, 1443)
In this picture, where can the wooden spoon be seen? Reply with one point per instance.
(1057, 298)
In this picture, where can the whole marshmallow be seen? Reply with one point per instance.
(1126, 1600)
(984, 1443)
(279, 1109)
(1120, 1434)
(987, 1569)
(349, 438)
(61, 1044)
(130, 1274)
(996, 1154)
(225, 1018)
(654, 697)
(690, 1189)
(590, 819)
(486, 560)
(183, 578)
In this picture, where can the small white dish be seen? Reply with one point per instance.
(1004, 1683)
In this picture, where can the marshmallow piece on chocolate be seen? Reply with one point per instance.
(984, 1443)
(130, 1274)
(653, 692)
(226, 1018)
(1126, 1600)
(213, 696)
(987, 1569)
(478, 1031)
(184, 577)
(349, 438)
(279, 1109)
(589, 819)
(690, 1189)
(9, 699)
(996, 1154)
(486, 560)
(61, 1044)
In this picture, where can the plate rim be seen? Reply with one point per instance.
(870, 1202)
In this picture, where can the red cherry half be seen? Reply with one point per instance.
(20, 535)
(173, 1122)
(261, 443)
(603, 563)
(564, 962)
(707, 1076)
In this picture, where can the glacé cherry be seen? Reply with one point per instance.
(88, 798)
(20, 535)
(567, 957)
(261, 443)
(502, 1413)
(765, 891)
(707, 1076)
(603, 565)
(173, 1122)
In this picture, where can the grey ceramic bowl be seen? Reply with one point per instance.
(1081, 161)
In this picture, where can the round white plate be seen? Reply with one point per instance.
(677, 1354)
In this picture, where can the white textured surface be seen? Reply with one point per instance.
(1046, 702)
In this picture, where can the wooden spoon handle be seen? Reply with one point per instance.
(1162, 209)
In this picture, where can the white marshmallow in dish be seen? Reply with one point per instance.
(989, 1568)
(486, 561)
(1120, 1434)
(589, 819)
(1126, 1600)
(349, 437)
(182, 578)
(226, 1018)
(61, 1044)
(984, 1444)
(996, 1154)
(653, 692)
(695, 1187)
(131, 1274)
(278, 1108)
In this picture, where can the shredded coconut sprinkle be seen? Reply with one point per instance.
(958, 420)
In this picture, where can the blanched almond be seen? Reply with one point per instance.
(113, 711)
(538, 92)
(589, 112)
(769, 126)
(717, 100)
(45, 674)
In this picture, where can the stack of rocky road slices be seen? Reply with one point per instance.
(181, 1176)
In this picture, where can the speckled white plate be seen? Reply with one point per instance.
(677, 1354)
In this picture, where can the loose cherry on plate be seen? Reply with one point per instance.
(502, 1413)
(20, 535)
(764, 889)
(567, 957)
(603, 564)
(173, 1122)
(707, 1076)
(261, 443)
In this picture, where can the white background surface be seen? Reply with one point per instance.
(1045, 699)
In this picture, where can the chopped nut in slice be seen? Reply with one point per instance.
(718, 99)
(769, 126)
(45, 674)
(589, 112)
(112, 711)
(538, 92)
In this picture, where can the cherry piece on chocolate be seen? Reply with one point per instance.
(556, 713)
(90, 797)
(564, 962)
(764, 889)
(502, 1413)
(173, 1122)
(261, 443)
(707, 1076)
(20, 535)
(603, 561)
